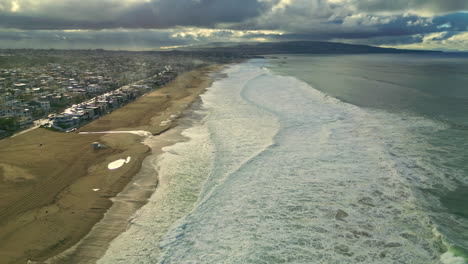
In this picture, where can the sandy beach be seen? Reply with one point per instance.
(54, 187)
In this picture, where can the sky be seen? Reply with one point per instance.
(163, 24)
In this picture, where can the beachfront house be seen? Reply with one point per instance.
(103, 106)
(66, 121)
(93, 111)
(113, 104)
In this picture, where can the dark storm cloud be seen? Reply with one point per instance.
(45, 23)
(167, 13)
(113, 14)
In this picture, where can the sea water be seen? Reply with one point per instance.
(276, 169)
(422, 103)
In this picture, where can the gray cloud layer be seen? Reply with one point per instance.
(434, 6)
(363, 21)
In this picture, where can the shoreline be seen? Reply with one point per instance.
(124, 206)
(131, 199)
(54, 209)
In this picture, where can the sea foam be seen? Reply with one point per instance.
(277, 172)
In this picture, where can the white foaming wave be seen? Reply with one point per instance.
(401, 142)
(450, 258)
(184, 167)
(325, 192)
(401, 138)
(251, 127)
(305, 87)
(405, 145)
(180, 178)
(367, 128)
(405, 140)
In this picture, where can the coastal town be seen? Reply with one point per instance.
(62, 90)
(64, 177)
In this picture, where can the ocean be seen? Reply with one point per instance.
(315, 159)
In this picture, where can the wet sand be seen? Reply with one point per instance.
(54, 187)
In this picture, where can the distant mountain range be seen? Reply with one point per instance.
(294, 47)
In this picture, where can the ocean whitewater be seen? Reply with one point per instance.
(275, 171)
